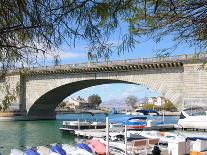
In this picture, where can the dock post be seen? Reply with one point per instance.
(125, 139)
(78, 124)
(107, 136)
(163, 117)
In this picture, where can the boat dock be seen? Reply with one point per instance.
(101, 132)
(162, 127)
(116, 130)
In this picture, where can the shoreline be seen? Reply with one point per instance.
(20, 116)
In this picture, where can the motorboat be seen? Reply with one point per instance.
(138, 122)
(194, 118)
(131, 122)
(164, 137)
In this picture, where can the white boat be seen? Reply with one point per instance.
(16, 152)
(164, 137)
(194, 118)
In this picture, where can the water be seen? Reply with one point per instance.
(18, 134)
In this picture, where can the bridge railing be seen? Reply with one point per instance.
(184, 57)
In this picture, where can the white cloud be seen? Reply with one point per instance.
(68, 55)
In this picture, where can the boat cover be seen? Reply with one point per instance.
(195, 138)
(97, 146)
(57, 149)
(123, 120)
(31, 151)
(146, 112)
(84, 147)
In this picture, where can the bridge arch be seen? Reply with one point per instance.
(45, 105)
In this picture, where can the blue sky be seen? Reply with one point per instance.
(144, 49)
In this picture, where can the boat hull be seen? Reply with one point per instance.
(192, 122)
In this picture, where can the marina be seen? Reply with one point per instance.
(117, 136)
(95, 77)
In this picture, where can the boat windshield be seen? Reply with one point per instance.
(197, 111)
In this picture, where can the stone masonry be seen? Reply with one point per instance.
(182, 82)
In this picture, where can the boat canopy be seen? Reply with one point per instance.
(195, 138)
(195, 111)
(146, 112)
(122, 120)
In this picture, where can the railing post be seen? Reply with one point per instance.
(125, 139)
(107, 136)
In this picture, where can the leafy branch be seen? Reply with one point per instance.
(10, 97)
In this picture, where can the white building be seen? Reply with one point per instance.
(76, 103)
(158, 101)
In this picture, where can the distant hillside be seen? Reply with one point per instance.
(119, 104)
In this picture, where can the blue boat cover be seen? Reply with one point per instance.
(57, 149)
(195, 138)
(146, 112)
(31, 151)
(126, 120)
(84, 147)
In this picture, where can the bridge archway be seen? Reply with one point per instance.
(45, 105)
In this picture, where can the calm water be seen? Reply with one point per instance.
(18, 134)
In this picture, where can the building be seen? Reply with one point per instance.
(77, 103)
(158, 101)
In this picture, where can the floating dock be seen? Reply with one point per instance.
(116, 130)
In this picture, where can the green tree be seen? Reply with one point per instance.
(10, 97)
(131, 101)
(169, 106)
(95, 100)
(148, 106)
(185, 19)
(29, 28)
(62, 105)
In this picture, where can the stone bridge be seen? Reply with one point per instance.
(38, 91)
